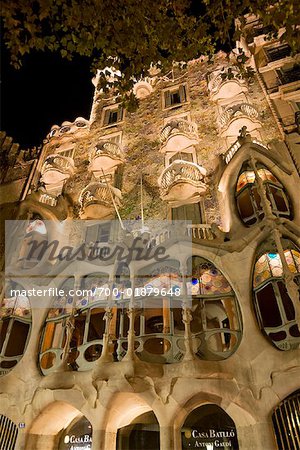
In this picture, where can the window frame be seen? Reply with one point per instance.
(180, 89)
(107, 110)
(273, 281)
(258, 213)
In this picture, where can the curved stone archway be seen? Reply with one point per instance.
(45, 429)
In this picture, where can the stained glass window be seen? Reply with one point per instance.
(94, 287)
(274, 307)
(162, 276)
(216, 324)
(248, 198)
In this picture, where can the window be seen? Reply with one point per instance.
(286, 422)
(248, 198)
(79, 432)
(273, 305)
(156, 320)
(175, 96)
(289, 75)
(54, 335)
(141, 434)
(112, 115)
(98, 233)
(188, 212)
(215, 311)
(182, 156)
(279, 52)
(74, 327)
(15, 326)
(115, 138)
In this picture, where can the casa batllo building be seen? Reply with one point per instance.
(213, 360)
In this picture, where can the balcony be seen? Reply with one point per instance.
(225, 84)
(289, 76)
(105, 156)
(57, 169)
(234, 112)
(286, 82)
(178, 135)
(182, 181)
(258, 32)
(96, 201)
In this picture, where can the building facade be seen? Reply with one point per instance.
(216, 366)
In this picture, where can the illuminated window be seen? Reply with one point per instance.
(158, 315)
(54, 335)
(216, 323)
(15, 326)
(274, 307)
(286, 422)
(248, 198)
(74, 328)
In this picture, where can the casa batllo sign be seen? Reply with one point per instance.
(73, 442)
(209, 439)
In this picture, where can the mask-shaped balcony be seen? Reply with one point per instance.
(225, 84)
(96, 201)
(105, 156)
(57, 169)
(182, 181)
(178, 135)
(236, 112)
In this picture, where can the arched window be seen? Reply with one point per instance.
(141, 434)
(286, 422)
(15, 326)
(54, 336)
(82, 319)
(249, 201)
(78, 435)
(209, 427)
(158, 321)
(8, 433)
(274, 307)
(216, 326)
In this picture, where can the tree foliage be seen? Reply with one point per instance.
(130, 35)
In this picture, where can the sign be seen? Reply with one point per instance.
(73, 442)
(210, 439)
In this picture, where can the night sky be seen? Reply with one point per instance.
(47, 90)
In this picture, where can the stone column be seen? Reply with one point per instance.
(266, 204)
(98, 439)
(166, 438)
(186, 318)
(106, 355)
